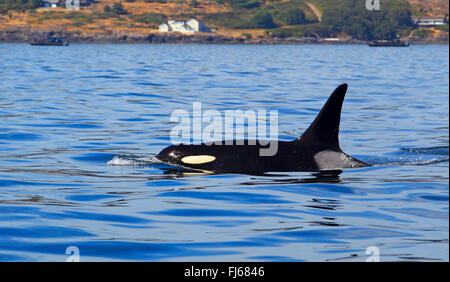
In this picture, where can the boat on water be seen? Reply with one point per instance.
(50, 42)
(388, 43)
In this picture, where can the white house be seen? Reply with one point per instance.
(50, 3)
(189, 26)
(164, 27)
(428, 21)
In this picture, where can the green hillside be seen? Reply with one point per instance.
(351, 17)
(276, 18)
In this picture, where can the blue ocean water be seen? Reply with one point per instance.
(79, 126)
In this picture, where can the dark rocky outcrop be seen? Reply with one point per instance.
(27, 35)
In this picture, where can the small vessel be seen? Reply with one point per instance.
(50, 42)
(388, 43)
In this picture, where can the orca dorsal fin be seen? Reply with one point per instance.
(323, 133)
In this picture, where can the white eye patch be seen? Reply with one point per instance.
(199, 159)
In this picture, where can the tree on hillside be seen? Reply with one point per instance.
(294, 16)
(107, 9)
(245, 4)
(118, 9)
(192, 3)
(352, 17)
(19, 5)
(263, 19)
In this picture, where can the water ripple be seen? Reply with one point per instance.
(77, 165)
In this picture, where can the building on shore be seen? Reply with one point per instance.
(189, 26)
(49, 3)
(420, 21)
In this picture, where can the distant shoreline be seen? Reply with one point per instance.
(24, 36)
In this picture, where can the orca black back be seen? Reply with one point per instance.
(316, 149)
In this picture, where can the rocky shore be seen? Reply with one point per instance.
(27, 35)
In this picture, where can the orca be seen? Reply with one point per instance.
(317, 149)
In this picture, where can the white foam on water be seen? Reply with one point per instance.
(407, 161)
(132, 160)
(425, 162)
(411, 156)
